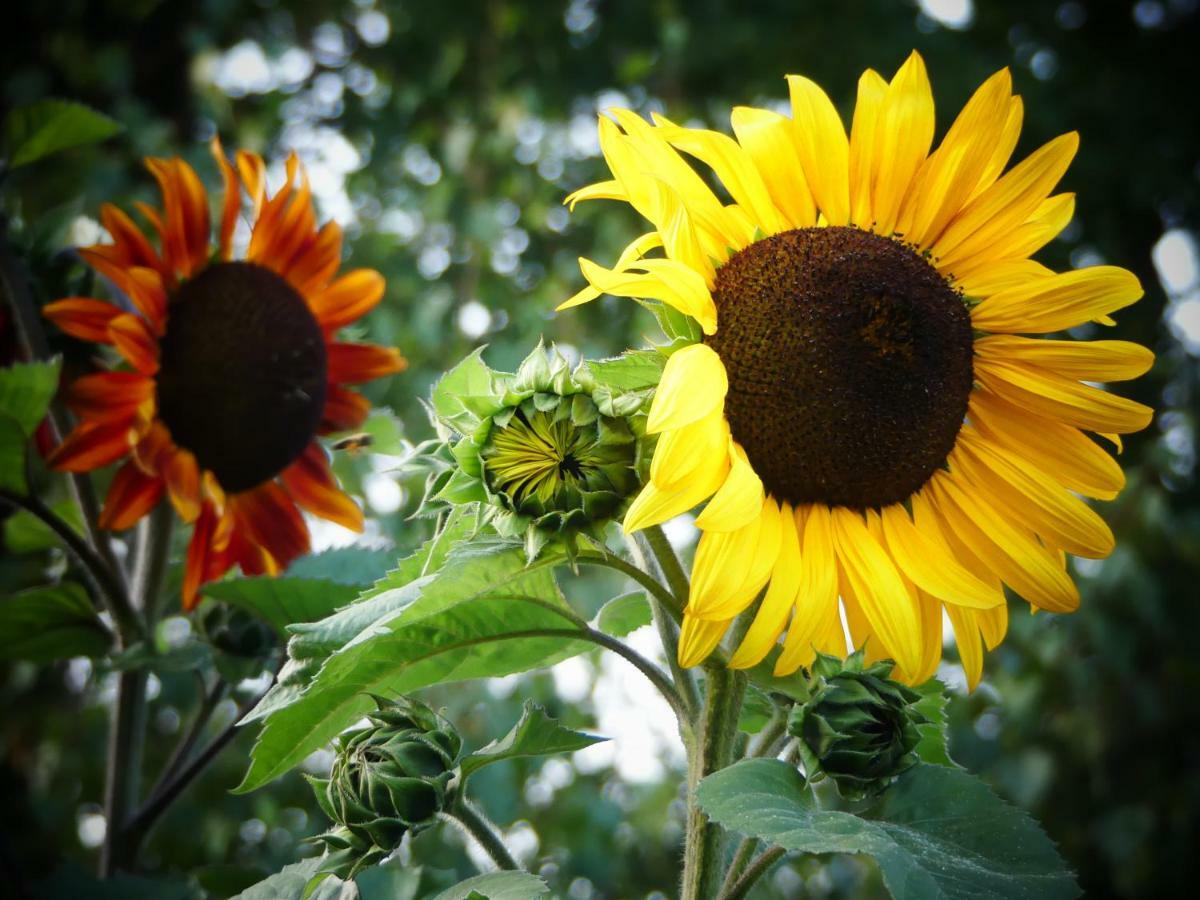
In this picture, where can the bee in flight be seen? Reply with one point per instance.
(354, 442)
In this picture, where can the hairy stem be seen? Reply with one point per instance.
(127, 736)
(668, 630)
(704, 847)
(646, 580)
(741, 856)
(476, 824)
(753, 872)
(766, 743)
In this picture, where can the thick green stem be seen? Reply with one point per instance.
(128, 732)
(737, 865)
(753, 872)
(668, 561)
(767, 742)
(476, 824)
(704, 847)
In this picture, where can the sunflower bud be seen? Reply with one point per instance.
(859, 725)
(549, 452)
(237, 632)
(389, 778)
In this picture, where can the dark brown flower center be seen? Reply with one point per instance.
(849, 361)
(242, 373)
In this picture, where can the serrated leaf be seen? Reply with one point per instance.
(483, 614)
(625, 614)
(26, 390)
(535, 734)
(498, 886)
(933, 748)
(282, 600)
(635, 370)
(467, 393)
(50, 623)
(357, 566)
(48, 126)
(937, 833)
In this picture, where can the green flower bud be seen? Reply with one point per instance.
(549, 452)
(389, 778)
(859, 725)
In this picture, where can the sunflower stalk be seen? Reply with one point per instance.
(473, 821)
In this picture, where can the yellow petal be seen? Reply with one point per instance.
(697, 639)
(1053, 304)
(660, 279)
(878, 589)
(699, 451)
(1077, 360)
(1053, 396)
(693, 384)
(1002, 147)
(773, 612)
(740, 498)
(1009, 550)
(872, 88)
(1050, 218)
(929, 567)
(994, 277)
(970, 648)
(1033, 496)
(816, 607)
(767, 137)
(1006, 204)
(602, 190)
(823, 148)
(902, 141)
(731, 567)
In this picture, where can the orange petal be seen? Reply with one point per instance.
(356, 363)
(266, 517)
(185, 214)
(183, 483)
(253, 172)
(131, 495)
(233, 200)
(208, 555)
(92, 445)
(105, 396)
(83, 317)
(311, 483)
(152, 451)
(350, 297)
(344, 409)
(130, 244)
(146, 291)
(317, 262)
(135, 341)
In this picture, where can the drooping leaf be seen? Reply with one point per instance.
(283, 600)
(625, 614)
(483, 614)
(535, 734)
(26, 390)
(51, 623)
(48, 126)
(933, 747)
(634, 370)
(937, 833)
(498, 886)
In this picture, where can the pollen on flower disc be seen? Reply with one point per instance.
(241, 382)
(849, 362)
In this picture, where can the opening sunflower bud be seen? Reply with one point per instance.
(859, 725)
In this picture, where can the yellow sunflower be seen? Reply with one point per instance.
(877, 436)
(231, 368)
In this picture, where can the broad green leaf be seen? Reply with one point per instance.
(937, 833)
(286, 884)
(932, 748)
(51, 623)
(26, 390)
(498, 886)
(625, 614)
(26, 533)
(483, 614)
(357, 566)
(389, 881)
(48, 126)
(635, 370)
(283, 600)
(756, 711)
(535, 734)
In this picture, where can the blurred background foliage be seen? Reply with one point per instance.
(444, 137)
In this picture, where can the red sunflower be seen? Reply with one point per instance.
(231, 368)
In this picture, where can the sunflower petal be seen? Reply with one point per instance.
(1053, 304)
(823, 148)
(767, 137)
(697, 639)
(772, 614)
(731, 567)
(357, 363)
(739, 499)
(351, 297)
(83, 317)
(930, 568)
(311, 483)
(131, 495)
(693, 383)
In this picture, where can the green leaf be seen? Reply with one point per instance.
(535, 734)
(937, 833)
(625, 614)
(51, 623)
(756, 711)
(467, 393)
(498, 886)
(26, 533)
(283, 600)
(483, 614)
(358, 566)
(932, 748)
(635, 370)
(389, 881)
(286, 884)
(48, 126)
(26, 390)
